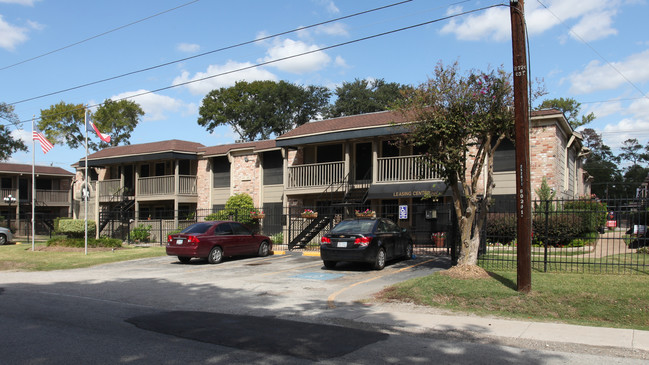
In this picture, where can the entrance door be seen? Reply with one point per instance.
(363, 162)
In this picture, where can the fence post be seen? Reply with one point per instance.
(545, 239)
(160, 224)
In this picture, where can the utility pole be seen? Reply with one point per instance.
(521, 115)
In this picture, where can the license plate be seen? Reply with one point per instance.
(179, 242)
(342, 244)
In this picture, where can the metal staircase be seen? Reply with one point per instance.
(310, 232)
(118, 207)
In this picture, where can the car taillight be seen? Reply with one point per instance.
(362, 241)
(169, 238)
(325, 240)
(192, 239)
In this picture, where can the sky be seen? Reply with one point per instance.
(154, 53)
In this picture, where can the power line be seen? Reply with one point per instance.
(299, 54)
(208, 53)
(644, 96)
(97, 36)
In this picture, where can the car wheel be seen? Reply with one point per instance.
(379, 262)
(3, 239)
(329, 264)
(184, 259)
(409, 250)
(264, 249)
(216, 255)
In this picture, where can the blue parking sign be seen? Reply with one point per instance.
(403, 212)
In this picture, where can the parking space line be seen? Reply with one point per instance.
(331, 299)
(221, 265)
(291, 269)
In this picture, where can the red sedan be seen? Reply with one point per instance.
(214, 240)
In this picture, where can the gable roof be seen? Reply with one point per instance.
(170, 149)
(353, 126)
(256, 146)
(15, 168)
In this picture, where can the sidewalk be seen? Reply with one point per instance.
(402, 316)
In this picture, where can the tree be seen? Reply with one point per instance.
(63, 123)
(631, 151)
(366, 96)
(570, 108)
(461, 121)
(260, 109)
(9, 144)
(602, 165)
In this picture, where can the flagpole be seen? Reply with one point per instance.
(33, 185)
(85, 192)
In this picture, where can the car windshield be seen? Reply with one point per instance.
(197, 228)
(354, 226)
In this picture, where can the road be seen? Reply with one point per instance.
(274, 310)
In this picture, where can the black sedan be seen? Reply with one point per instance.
(372, 240)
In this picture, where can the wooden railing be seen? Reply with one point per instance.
(187, 185)
(53, 196)
(405, 168)
(316, 174)
(157, 185)
(108, 188)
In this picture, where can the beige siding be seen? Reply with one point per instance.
(220, 196)
(273, 193)
(505, 183)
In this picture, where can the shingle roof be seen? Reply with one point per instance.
(225, 148)
(360, 121)
(27, 169)
(370, 120)
(173, 145)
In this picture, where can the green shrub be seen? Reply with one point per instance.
(141, 233)
(238, 208)
(80, 242)
(277, 238)
(501, 228)
(75, 228)
(593, 213)
(561, 228)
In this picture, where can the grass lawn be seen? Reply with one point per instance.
(587, 299)
(21, 257)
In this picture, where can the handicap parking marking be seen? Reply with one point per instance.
(318, 276)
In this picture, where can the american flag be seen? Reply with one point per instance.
(45, 144)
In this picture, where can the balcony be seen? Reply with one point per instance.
(156, 186)
(315, 175)
(405, 169)
(47, 197)
(389, 170)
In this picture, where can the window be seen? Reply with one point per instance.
(273, 165)
(221, 172)
(144, 170)
(389, 149)
(240, 229)
(330, 153)
(223, 229)
(505, 157)
(184, 167)
(6, 183)
(159, 169)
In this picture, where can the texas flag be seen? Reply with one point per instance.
(103, 137)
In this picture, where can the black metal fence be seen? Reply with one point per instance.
(586, 235)
(431, 226)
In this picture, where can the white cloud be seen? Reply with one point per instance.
(340, 62)
(603, 110)
(329, 6)
(594, 20)
(297, 65)
(616, 134)
(601, 76)
(11, 35)
(492, 23)
(23, 135)
(640, 109)
(155, 106)
(188, 47)
(228, 76)
(337, 29)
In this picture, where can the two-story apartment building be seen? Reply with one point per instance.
(350, 162)
(52, 197)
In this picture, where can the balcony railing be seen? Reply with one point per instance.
(317, 174)
(108, 188)
(405, 168)
(164, 185)
(53, 196)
